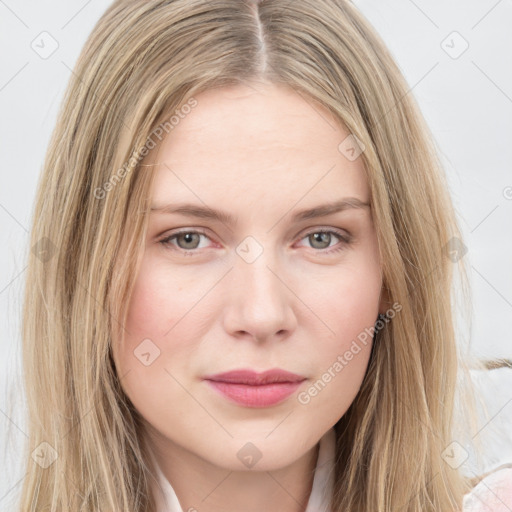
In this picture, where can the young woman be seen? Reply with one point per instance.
(240, 296)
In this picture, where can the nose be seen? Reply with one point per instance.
(259, 304)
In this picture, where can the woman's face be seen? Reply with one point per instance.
(261, 290)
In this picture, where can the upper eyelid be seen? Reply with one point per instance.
(336, 231)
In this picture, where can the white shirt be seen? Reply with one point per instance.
(492, 494)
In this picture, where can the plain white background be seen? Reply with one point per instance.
(457, 59)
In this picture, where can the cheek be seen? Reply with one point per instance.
(160, 300)
(348, 305)
(344, 357)
(143, 357)
(348, 299)
(345, 354)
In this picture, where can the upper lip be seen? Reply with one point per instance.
(252, 377)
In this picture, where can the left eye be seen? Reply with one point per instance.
(323, 235)
(191, 240)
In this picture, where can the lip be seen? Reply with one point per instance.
(253, 389)
(248, 376)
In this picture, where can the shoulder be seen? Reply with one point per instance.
(492, 494)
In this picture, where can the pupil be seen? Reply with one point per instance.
(319, 236)
(187, 237)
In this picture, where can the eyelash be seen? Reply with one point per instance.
(345, 240)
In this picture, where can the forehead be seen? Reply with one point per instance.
(255, 142)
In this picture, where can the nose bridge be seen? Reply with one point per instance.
(259, 278)
(260, 304)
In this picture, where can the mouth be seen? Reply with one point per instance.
(252, 389)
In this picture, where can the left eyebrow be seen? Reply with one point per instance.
(346, 203)
(194, 210)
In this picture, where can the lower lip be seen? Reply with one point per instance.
(255, 396)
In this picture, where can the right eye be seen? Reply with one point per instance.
(188, 238)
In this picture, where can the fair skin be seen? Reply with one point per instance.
(261, 154)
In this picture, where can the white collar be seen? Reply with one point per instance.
(323, 480)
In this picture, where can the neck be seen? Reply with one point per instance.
(201, 485)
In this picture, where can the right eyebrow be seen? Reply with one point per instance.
(203, 212)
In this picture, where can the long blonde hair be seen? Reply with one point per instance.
(143, 62)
